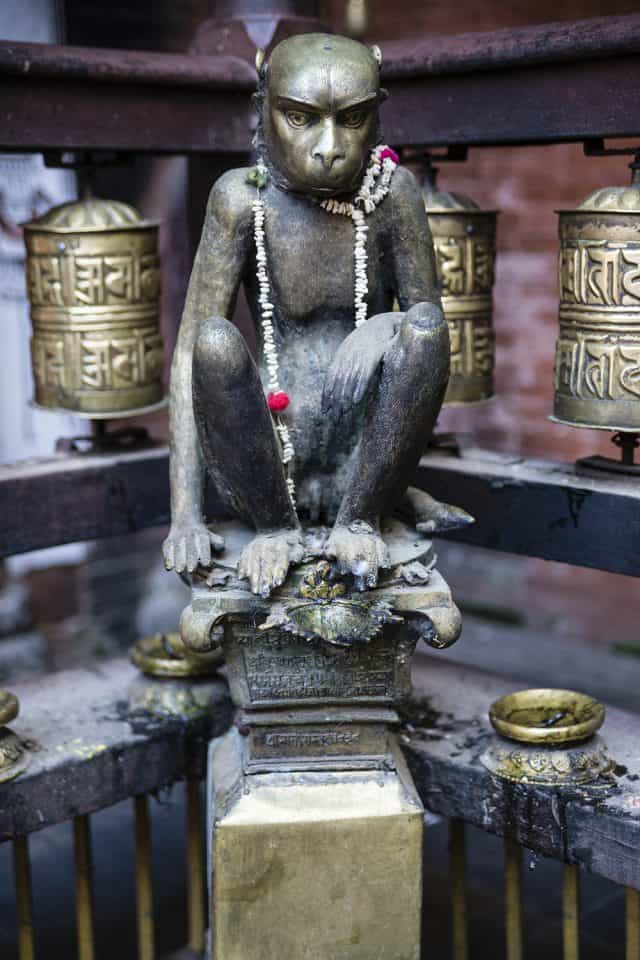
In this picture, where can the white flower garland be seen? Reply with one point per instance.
(373, 190)
(369, 196)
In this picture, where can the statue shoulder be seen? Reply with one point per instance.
(404, 188)
(231, 198)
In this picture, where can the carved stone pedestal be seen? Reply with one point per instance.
(315, 827)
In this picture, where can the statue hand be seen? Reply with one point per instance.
(356, 362)
(188, 546)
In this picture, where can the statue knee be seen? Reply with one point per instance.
(427, 317)
(220, 352)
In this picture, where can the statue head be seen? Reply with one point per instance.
(318, 106)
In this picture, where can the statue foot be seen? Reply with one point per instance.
(432, 516)
(359, 550)
(265, 561)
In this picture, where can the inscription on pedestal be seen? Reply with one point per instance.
(310, 744)
(280, 668)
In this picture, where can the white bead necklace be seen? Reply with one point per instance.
(373, 190)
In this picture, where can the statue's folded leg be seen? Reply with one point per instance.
(235, 428)
(401, 412)
(242, 452)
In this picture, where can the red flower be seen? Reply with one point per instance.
(277, 402)
(388, 152)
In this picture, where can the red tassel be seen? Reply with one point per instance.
(277, 402)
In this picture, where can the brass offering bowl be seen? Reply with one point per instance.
(547, 716)
(549, 738)
(173, 681)
(14, 756)
(165, 655)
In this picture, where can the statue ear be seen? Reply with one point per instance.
(260, 59)
(376, 53)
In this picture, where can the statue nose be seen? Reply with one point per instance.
(328, 148)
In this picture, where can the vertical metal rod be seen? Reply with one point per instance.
(84, 886)
(457, 870)
(24, 900)
(513, 898)
(195, 865)
(144, 892)
(633, 924)
(570, 911)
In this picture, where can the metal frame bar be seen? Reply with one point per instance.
(144, 879)
(513, 899)
(457, 872)
(24, 898)
(84, 886)
(570, 912)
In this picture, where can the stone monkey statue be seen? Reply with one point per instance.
(360, 401)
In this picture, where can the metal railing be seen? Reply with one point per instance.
(443, 753)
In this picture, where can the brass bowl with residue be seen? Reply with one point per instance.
(547, 716)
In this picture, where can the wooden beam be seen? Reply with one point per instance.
(534, 507)
(94, 745)
(540, 508)
(595, 826)
(84, 497)
(75, 98)
(537, 84)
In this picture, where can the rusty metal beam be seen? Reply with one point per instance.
(538, 84)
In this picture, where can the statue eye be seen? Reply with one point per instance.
(354, 118)
(298, 118)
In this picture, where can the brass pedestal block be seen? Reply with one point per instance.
(315, 826)
(316, 865)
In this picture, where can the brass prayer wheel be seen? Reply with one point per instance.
(597, 362)
(93, 276)
(464, 240)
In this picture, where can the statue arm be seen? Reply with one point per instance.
(215, 278)
(412, 246)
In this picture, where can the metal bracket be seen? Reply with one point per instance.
(454, 153)
(83, 159)
(595, 147)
